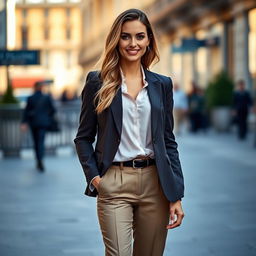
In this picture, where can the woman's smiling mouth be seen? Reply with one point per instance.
(132, 51)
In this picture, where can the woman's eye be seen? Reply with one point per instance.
(124, 37)
(140, 37)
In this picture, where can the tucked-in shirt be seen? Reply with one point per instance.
(136, 140)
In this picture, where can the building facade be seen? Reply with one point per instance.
(54, 28)
(196, 38)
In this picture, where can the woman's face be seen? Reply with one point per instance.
(133, 41)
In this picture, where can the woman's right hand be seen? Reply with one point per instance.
(96, 182)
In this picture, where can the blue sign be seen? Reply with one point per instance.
(192, 44)
(2, 26)
(19, 57)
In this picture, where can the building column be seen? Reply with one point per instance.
(208, 62)
(241, 51)
(3, 44)
(194, 67)
(182, 71)
(224, 46)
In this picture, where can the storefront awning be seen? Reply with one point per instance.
(25, 82)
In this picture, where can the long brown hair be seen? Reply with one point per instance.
(110, 67)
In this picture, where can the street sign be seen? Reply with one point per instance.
(2, 24)
(192, 44)
(19, 57)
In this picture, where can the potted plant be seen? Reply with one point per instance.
(8, 97)
(10, 116)
(219, 98)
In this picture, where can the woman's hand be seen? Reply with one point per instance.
(96, 182)
(175, 210)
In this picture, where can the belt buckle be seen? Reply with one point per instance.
(134, 164)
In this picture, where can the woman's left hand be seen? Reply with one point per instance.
(175, 210)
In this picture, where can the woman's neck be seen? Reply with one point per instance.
(131, 69)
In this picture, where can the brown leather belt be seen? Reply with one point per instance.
(136, 163)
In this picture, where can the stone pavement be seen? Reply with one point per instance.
(46, 214)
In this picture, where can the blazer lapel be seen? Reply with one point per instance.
(117, 111)
(154, 92)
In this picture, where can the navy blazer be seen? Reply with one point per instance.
(108, 126)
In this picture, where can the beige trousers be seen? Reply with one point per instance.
(133, 212)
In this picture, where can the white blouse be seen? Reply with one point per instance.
(136, 138)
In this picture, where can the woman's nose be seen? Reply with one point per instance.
(133, 41)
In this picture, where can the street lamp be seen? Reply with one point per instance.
(11, 24)
(7, 31)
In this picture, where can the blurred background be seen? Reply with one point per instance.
(197, 39)
(208, 48)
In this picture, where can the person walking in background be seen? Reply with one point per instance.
(241, 107)
(134, 168)
(37, 116)
(196, 108)
(67, 96)
(180, 108)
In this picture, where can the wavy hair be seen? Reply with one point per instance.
(110, 68)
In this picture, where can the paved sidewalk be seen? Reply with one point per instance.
(46, 214)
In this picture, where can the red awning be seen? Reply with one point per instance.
(25, 82)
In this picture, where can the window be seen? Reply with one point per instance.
(46, 26)
(46, 59)
(24, 36)
(24, 13)
(69, 59)
(56, 1)
(68, 26)
(34, 1)
(252, 43)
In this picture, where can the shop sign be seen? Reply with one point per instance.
(19, 57)
(192, 44)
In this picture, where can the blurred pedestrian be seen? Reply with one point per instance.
(180, 108)
(254, 112)
(196, 108)
(37, 116)
(135, 171)
(241, 107)
(67, 96)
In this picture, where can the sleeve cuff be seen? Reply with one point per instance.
(91, 186)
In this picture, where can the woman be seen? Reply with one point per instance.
(134, 168)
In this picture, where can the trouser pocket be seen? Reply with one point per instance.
(109, 184)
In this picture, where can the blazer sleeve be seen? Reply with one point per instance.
(170, 143)
(87, 129)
